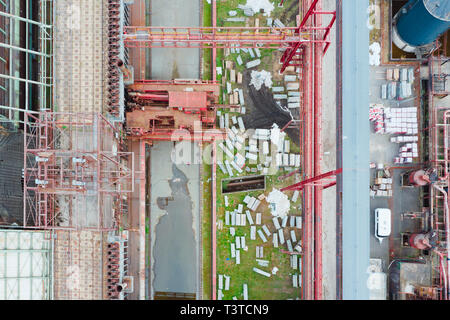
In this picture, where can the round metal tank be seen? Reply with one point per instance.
(418, 178)
(420, 22)
(423, 241)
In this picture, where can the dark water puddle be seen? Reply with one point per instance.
(174, 253)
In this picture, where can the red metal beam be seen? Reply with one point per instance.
(329, 185)
(219, 37)
(214, 50)
(142, 242)
(318, 159)
(313, 179)
(281, 178)
(308, 13)
(308, 279)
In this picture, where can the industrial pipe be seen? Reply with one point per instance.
(447, 230)
(441, 261)
(121, 286)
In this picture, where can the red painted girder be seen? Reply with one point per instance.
(313, 179)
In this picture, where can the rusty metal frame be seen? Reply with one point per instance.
(68, 159)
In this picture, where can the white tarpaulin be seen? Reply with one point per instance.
(279, 203)
(374, 54)
(261, 77)
(257, 5)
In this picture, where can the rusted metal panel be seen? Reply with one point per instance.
(191, 100)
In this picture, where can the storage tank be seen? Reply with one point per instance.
(420, 22)
(423, 241)
(419, 178)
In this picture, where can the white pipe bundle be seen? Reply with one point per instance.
(243, 220)
(227, 165)
(294, 260)
(289, 245)
(292, 221)
(266, 230)
(276, 223)
(261, 272)
(298, 221)
(261, 235)
(227, 283)
(284, 222)
(275, 240)
(245, 291)
(258, 218)
(220, 281)
(295, 196)
(253, 233)
(293, 237)
(281, 236)
(233, 218)
(234, 165)
(249, 217)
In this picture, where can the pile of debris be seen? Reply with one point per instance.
(382, 186)
(401, 121)
(258, 150)
(256, 6)
(258, 78)
(374, 54)
(238, 222)
(399, 85)
(407, 153)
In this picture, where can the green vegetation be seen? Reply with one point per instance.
(278, 286)
(206, 229)
(375, 33)
(290, 8)
(207, 53)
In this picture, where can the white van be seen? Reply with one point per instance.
(382, 223)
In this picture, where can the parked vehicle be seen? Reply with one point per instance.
(382, 223)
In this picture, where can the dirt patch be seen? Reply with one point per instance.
(276, 66)
(262, 111)
(290, 14)
(175, 73)
(163, 202)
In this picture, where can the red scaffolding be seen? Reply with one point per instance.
(290, 38)
(76, 173)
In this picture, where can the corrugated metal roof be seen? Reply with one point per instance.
(25, 265)
(438, 8)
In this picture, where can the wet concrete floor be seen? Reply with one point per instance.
(174, 222)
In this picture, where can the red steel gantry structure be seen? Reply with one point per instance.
(76, 173)
(304, 47)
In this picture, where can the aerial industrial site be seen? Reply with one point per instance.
(224, 150)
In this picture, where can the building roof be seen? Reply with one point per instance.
(25, 260)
